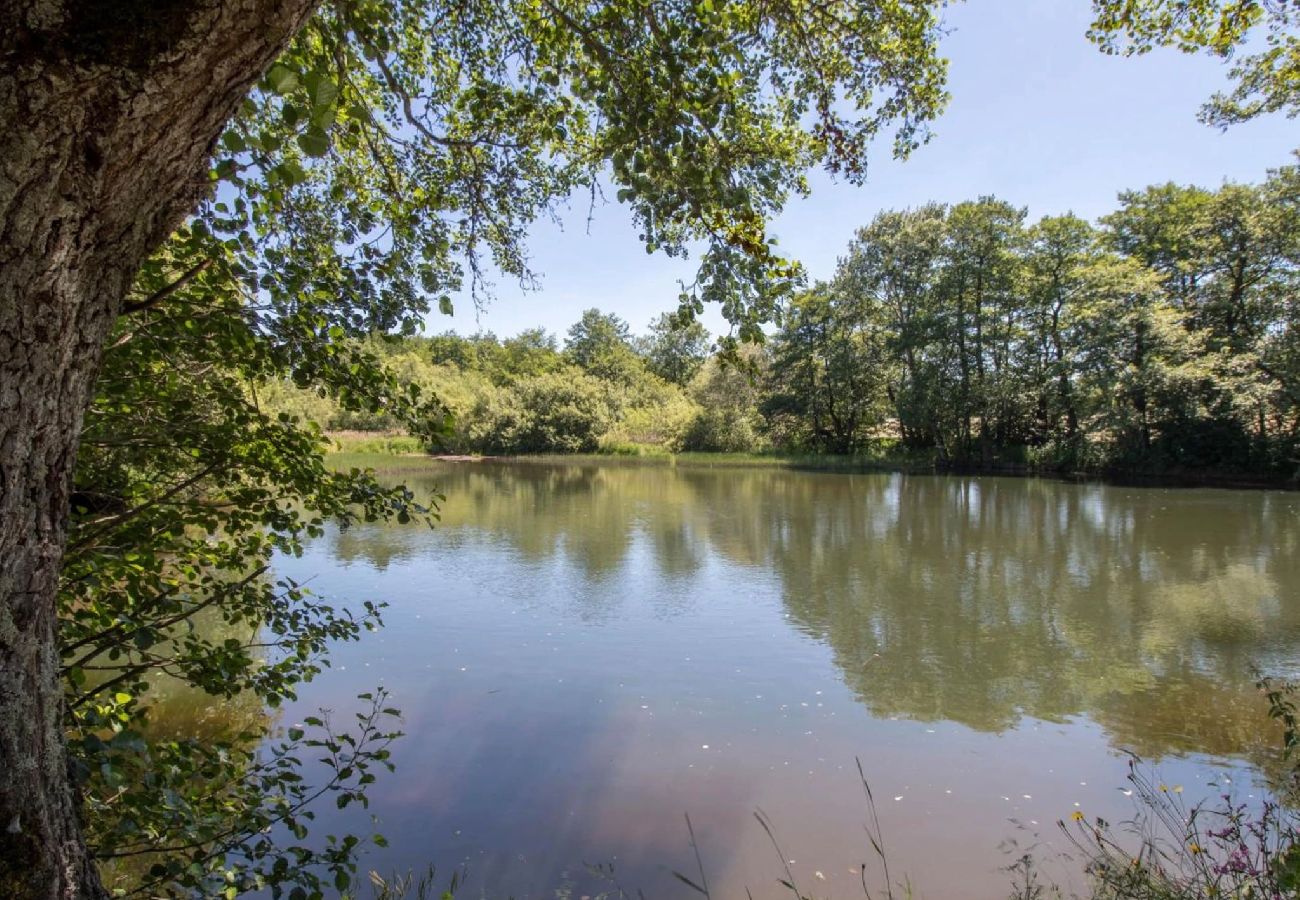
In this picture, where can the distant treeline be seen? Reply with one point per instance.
(1165, 338)
(603, 391)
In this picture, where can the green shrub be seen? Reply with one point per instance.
(558, 412)
(727, 420)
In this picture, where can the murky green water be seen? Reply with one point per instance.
(586, 653)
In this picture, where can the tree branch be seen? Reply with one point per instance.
(164, 292)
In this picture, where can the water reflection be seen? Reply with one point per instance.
(975, 601)
(571, 637)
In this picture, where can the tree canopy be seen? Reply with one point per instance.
(675, 350)
(1266, 77)
(398, 151)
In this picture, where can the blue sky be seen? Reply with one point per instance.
(1038, 117)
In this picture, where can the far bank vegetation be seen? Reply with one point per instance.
(1164, 339)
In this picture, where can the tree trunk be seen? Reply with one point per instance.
(964, 394)
(111, 111)
(1140, 390)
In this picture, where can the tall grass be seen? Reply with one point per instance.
(376, 442)
(875, 839)
(1224, 848)
(409, 887)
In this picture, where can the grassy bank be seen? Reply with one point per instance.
(397, 452)
(882, 462)
(400, 452)
(376, 442)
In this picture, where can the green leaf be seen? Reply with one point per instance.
(314, 142)
(322, 90)
(282, 79)
(289, 173)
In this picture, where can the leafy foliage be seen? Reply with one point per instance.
(600, 345)
(187, 487)
(829, 367)
(728, 397)
(675, 350)
(523, 395)
(1152, 343)
(562, 412)
(424, 137)
(1266, 81)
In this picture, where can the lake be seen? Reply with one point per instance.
(585, 653)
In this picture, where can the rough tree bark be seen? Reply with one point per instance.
(108, 112)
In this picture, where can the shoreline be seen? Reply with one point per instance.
(844, 465)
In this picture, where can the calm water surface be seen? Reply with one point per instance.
(585, 653)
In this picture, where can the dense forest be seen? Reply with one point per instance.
(1163, 338)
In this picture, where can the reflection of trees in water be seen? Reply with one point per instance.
(983, 601)
(974, 600)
